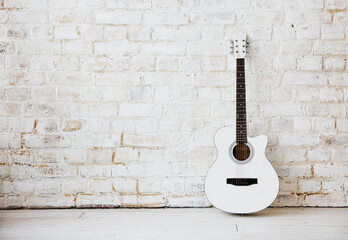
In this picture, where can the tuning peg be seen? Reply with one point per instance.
(247, 42)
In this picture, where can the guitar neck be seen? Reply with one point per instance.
(241, 117)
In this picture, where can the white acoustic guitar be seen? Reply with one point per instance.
(241, 180)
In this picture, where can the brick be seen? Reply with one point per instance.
(332, 186)
(207, 49)
(167, 79)
(310, 63)
(213, 17)
(118, 79)
(308, 32)
(188, 110)
(302, 124)
(324, 124)
(46, 140)
(336, 4)
(303, 18)
(303, 170)
(118, 17)
(334, 64)
(140, 110)
(332, 32)
(339, 79)
(163, 33)
(142, 63)
(319, 154)
(330, 170)
(283, 109)
(136, 4)
(253, 17)
(29, 16)
(328, 47)
(167, 64)
(300, 78)
(107, 200)
(114, 4)
(342, 125)
(146, 126)
(150, 186)
(309, 186)
(298, 140)
(330, 94)
(328, 109)
(164, 48)
(187, 33)
(115, 48)
(66, 32)
(125, 185)
(144, 141)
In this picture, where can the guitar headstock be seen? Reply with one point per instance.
(239, 44)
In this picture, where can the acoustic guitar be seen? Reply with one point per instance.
(241, 180)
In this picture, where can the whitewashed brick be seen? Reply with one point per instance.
(164, 48)
(125, 185)
(334, 64)
(302, 124)
(339, 79)
(66, 32)
(139, 33)
(213, 17)
(300, 78)
(187, 33)
(336, 4)
(309, 186)
(310, 63)
(142, 63)
(118, 17)
(115, 32)
(329, 109)
(285, 62)
(332, 32)
(319, 154)
(167, 64)
(165, 18)
(330, 94)
(163, 33)
(330, 170)
(324, 124)
(283, 109)
(342, 125)
(308, 32)
(115, 48)
(329, 47)
(136, 4)
(298, 140)
(303, 170)
(114, 4)
(313, 4)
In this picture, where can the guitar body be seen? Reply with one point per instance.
(239, 195)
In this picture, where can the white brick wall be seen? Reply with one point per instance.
(115, 102)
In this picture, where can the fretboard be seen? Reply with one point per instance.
(241, 117)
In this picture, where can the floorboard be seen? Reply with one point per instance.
(184, 223)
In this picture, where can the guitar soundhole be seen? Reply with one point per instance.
(241, 152)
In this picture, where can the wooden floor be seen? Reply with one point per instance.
(178, 224)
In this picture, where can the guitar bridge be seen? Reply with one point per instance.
(241, 181)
